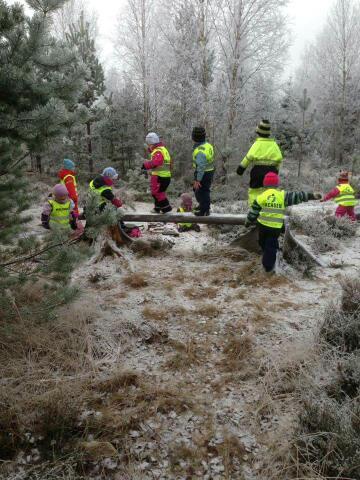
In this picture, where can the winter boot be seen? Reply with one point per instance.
(166, 209)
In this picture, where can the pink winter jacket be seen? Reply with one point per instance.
(332, 194)
(157, 160)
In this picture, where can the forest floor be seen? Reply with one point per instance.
(201, 341)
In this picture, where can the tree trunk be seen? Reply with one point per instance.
(38, 163)
(89, 143)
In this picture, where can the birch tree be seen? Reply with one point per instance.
(335, 76)
(252, 38)
(134, 48)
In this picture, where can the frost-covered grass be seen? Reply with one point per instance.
(328, 433)
(325, 233)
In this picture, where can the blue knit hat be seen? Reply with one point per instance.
(69, 164)
(111, 173)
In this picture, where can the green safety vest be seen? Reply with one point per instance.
(163, 170)
(67, 176)
(272, 204)
(60, 213)
(208, 150)
(99, 191)
(346, 198)
(185, 225)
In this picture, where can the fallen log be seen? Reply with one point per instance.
(291, 243)
(184, 217)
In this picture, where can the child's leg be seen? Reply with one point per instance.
(269, 243)
(341, 211)
(270, 252)
(164, 203)
(351, 213)
(154, 188)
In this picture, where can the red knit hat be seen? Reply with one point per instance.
(271, 179)
(344, 176)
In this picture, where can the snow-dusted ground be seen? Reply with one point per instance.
(203, 292)
(174, 330)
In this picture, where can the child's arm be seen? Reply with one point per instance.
(73, 216)
(71, 188)
(332, 194)
(294, 198)
(253, 213)
(156, 161)
(108, 194)
(45, 216)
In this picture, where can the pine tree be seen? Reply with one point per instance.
(34, 92)
(80, 38)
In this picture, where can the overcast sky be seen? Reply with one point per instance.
(307, 18)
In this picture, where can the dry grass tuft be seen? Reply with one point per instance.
(207, 310)
(95, 450)
(130, 407)
(198, 454)
(121, 379)
(157, 314)
(236, 350)
(201, 292)
(150, 248)
(96, 277)
(350, 300)
(136, 280)
(188, 354)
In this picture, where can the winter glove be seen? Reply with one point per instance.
(73, 223)
(144, 171)
(45, 221)
(117, 202)
(317, 196)
(248, 223)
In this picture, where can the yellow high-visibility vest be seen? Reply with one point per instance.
(265, 151)
(346, 198)
(185, 225)
(60, 214)
(163, 170)
(208, 150)
(272, 204)
(99, 191)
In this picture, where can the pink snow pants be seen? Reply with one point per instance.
(342, 211)
(157, 189)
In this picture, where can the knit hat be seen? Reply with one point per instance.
(271, 179)
(186, 200)
(198, 134)
(60, 191)
(264, 128)
(69, 164)
(152, 138)
(344, 176)
(111, 173)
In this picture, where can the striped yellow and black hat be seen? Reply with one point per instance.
(264, 128)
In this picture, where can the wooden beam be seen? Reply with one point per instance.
(215, 219)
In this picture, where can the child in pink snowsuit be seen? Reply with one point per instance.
(344, 196)
(160, 166)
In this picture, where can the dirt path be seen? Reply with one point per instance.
(209, 337)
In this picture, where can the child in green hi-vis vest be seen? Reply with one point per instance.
(268, 210)
(58, 212)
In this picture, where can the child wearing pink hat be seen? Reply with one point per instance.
(186, 207)
(58, 211)
(268, 210)
(344, 196)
